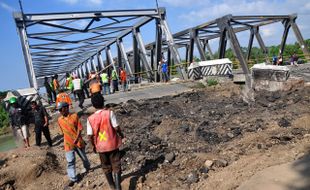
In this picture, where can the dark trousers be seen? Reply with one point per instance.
(53, 94)
(49, 96)
(86, 91)
(110, 161)
(46, 132)
(115, 85)
(80, 96)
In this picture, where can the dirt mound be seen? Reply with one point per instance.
(169, 140)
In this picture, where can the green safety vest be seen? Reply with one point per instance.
(104, 78)
(52, 85)
(114, 75)
(70, 83)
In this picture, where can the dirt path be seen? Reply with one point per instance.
(289, 176)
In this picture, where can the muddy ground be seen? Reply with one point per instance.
(169, 140)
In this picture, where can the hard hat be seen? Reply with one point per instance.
(62, 105)
(13, 100)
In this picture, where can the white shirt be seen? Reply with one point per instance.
(113, 120)
(77, 84)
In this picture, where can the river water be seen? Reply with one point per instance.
(7, 142)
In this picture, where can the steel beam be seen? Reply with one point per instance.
(173, 49)
(158, 50)
(124, 55)
(299, 37)
(92, 64)
(191, 48)
(143, 55)
(287, 26)
(88, 15)
(199, 46)
(27, 56)
(207, 45)
(250, 45)
(110, 59)
(261, 43)
(224, 25)
(222, 44)
(100, 60)
(136, 57)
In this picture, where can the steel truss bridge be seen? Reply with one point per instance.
(66, 45)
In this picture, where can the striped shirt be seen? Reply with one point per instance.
(70, 126)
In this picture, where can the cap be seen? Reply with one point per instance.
(61, 105)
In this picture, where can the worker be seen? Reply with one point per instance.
(105, 82)
(123, 76)
(63, 97)
(53, 89)
(17, 118)
(106, 137)
(164, 70)
(69, 84)
(71, 128)
(94, 85)
(56, 84)
(48, 91)
(114, 80)
(78, 90)
(41, 123)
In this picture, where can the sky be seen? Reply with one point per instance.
(181, 14)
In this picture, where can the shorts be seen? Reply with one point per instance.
(23, 131)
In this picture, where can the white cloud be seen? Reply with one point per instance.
(83, 2)
(182, 3)
(7, 7)
(70, 2)
(95, 2)
(216, 9)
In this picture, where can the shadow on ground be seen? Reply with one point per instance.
(302, 166)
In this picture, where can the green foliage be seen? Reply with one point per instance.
(212, 82)
(4, 117)
(257, 55)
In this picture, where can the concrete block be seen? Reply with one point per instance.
(273, 86)
(239, 78)
(270, 72)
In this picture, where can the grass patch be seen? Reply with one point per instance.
(212, 82)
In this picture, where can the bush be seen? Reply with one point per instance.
(4, 117)
(212, 82)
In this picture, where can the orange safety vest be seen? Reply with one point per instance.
(95, 87)
(105, 136)
(123, 75)
(63, 97)
(56, 84)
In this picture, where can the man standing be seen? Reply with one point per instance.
(114, 80)
(71, 127)
(56, 84)
(18, 121)
(77, 86)
(164, 70)
(105, 82)
(106, 137)
(41, 123)
(48, 90)
(123, 76)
